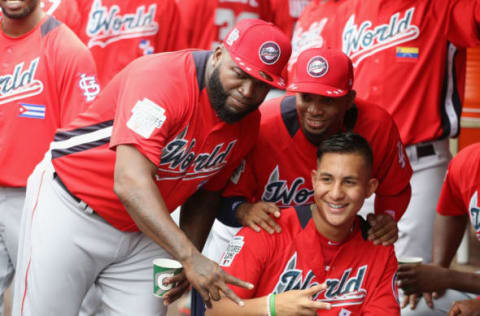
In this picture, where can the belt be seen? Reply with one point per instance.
(60, 182)
(425, 150)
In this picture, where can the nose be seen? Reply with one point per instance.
(315, 108)
(247, 88)
(336, 191)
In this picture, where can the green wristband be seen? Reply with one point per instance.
(272, 305)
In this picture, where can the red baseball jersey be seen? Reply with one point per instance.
(207, 22)
(47, 77)
(279, 167)
(178, 132)
(286, 13)
(405, 54)
(117, 32)
(360, 277)
(460, 190)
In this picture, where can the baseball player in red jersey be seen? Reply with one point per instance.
(207, 22)
(458, 202)
(117, 32)
(324, 242)
(47, 76)
(275, 174)
(408, 58)
(169, 149)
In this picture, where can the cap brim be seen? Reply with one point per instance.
(315, 88)
(277, 81)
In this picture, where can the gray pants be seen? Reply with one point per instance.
(65, 248)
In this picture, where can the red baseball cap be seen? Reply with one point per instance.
(260, 49)
(323, 71)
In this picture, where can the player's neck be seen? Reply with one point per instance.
(18, 27)
(334, 233)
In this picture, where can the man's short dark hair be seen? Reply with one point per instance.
(346, 143)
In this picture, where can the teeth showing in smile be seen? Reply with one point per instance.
(336, 206)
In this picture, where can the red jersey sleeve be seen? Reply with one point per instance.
(75, 72)
(450, 202)
(462, 22)
(146, 115)
(66, 11)
(384, 299)
(394, 170)
(246, 257)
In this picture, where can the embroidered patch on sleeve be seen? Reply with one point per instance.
(146, 117)
(233, 249)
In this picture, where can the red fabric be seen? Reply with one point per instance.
(459, 195)
(405, 72)
(181, 135)
(149, 26)
(286, 13)
(295, 260)
(279, 168)
(39, 75)
(207, 22)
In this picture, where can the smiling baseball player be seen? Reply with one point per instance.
(167, 131)
(408, 58)
(324, 242)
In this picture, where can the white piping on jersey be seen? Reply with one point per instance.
(82, 139)
(449, 107)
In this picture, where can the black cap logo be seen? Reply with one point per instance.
(317, 66)
(269, 53)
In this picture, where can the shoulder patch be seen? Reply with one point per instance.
(234, 247)
(146, 117)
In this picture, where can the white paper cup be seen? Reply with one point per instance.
(164, 268)
(410, 260)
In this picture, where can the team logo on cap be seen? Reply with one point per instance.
(233, 36)
(317, 66)
(269, 53)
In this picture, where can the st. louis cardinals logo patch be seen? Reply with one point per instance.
(89, 86)
(317, 66)
(269, 53)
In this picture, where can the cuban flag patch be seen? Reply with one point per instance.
(407, 52)
(31, 110)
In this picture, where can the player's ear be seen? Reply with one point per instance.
(314, 176)
(371, 186)
(217, 55)
(351, 98)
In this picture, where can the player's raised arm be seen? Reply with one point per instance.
(291, 303)
(135, 186)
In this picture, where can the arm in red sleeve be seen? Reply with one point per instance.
(393, 205)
